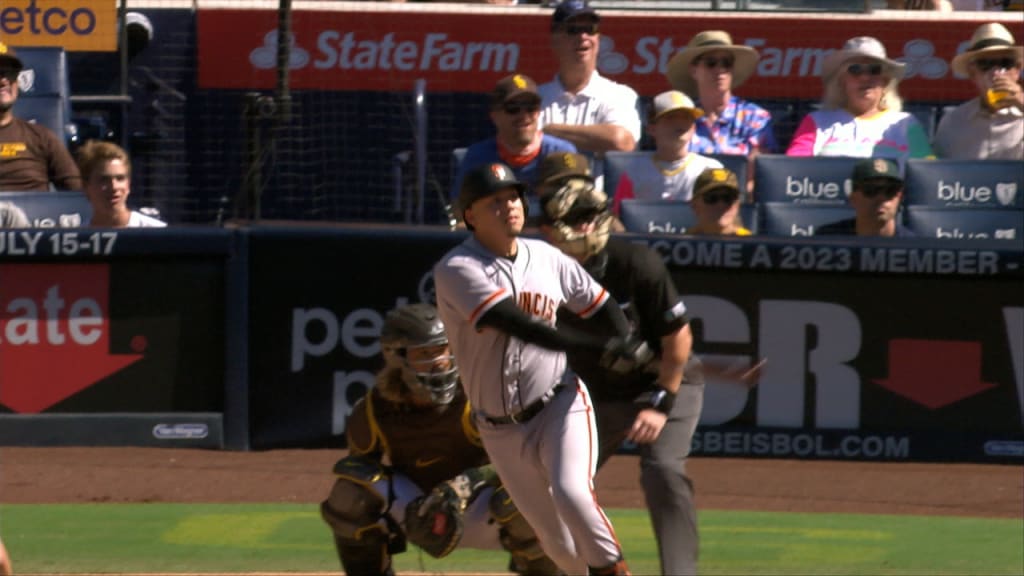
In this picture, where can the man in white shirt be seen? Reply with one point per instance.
(990, 126)
(579, 105)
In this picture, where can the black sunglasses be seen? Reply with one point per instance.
(590, 28)
(864, 69)
(716, 62)
(582, 215)
(9, 74)
(888, 190)
(725, 196)
(513, 108)
(986, 64)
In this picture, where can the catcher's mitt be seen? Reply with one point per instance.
(434, 522)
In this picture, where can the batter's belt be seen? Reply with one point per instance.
(526, 414)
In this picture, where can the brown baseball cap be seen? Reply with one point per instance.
(9, 58)
(715, 179)
(512, 86)
(558, 165)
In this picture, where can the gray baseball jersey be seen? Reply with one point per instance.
(501, 373)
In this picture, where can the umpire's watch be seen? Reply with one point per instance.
(659, 399)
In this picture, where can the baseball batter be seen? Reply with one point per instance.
(498, 295)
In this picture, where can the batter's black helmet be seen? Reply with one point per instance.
(485, 180)
(414, 326)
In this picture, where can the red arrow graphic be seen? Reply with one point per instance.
(54, 333)
(934, 373)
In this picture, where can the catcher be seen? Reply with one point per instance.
(416, 470)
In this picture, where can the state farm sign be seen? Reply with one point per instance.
(468, 52)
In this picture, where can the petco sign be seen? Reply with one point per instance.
(388, 49)
(72, 24)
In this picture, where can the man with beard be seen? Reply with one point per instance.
(519, 142)
(31, 155)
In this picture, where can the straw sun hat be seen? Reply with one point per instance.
(678, 73)
(988, 38)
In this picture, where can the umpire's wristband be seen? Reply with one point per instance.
(659, 399)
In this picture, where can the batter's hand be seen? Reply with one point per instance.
(647, 426)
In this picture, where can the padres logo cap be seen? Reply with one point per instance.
(716, 179)
(874, 168)
(559, 165)
(513, 86)
(9, 59)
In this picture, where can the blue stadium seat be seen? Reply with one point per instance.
(656, 216)
(44, 93)
(802, 179)
(788, 219)
(671, 217)
(614, 165)
(995, 184)
(60, 209)
(965, 223)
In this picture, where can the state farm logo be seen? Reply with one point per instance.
(351, 51)
(55, 333)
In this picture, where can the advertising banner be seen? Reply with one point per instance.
(874, 352)
(102, 322)
(75, 25)
(386, 49)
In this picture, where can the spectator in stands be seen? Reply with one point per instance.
(667, 173)
(13, 217)
(876, 195)
(716, 203)
(579, 105)
(107, 172)
(984, 127)
(32, 157)
(861, 114)
(710, 68)
(519, 143)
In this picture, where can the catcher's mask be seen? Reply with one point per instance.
(413, 341)
(577, 212)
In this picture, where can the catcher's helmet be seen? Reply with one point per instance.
(484, 181)
(419, 326)
(568, 199)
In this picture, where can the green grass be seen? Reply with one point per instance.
(196, 538)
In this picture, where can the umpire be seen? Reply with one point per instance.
(657, 407)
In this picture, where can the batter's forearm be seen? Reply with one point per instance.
(506, 317)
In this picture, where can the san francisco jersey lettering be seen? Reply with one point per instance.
(502, 374)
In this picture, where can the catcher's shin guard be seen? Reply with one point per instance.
(369, 557)
(519, 538)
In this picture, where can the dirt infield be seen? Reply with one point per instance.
(38, 475)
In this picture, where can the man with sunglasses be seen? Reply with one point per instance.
(518, 142)
(877, 192)
(31, 155)
(991, 125)
(594, 113)
(654, 405)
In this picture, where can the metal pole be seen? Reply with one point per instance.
(420, 90)
(122, 18)
(248, 205)
(284, 55)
